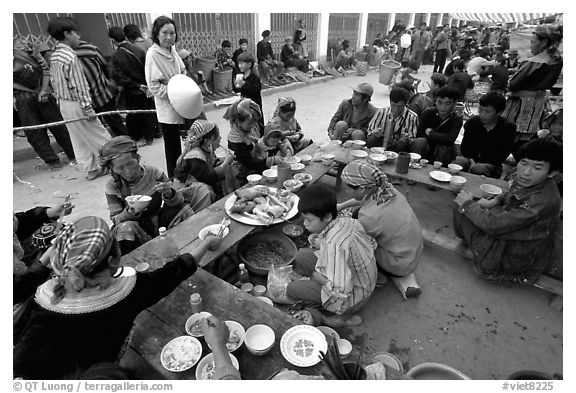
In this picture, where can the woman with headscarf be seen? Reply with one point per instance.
(529, 85)
(386, 216)
(162, 63)
(246, 127)
(285, 121)
(167, 208)
(83, 315)
(198, 162)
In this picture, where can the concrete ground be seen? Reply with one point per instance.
(486, 330)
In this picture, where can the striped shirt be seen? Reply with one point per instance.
(96, 73)
(67, 76)
(346, 258)
(393, 128)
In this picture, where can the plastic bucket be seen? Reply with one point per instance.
(206, 64)
(361, 68)
(222, 79)
(387, 70)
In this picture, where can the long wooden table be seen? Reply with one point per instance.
(420, 175)
(165, 320)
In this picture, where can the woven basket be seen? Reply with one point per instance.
(361, 68)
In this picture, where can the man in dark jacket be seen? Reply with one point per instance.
(488, 138)
(439, 127)
(128, 72)
(268, 64)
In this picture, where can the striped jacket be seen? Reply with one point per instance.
(346, 258)
(392, 129)
(96, 73)
(67, 76)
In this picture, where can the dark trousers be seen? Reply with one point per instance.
(172, 146)
(115, 123)
(301, 64)
(140, 125)
(32, 112)
(440, 61)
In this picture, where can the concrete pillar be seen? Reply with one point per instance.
(428, 17)
(439, 20)
(450, 21)
(322, 43)
(391, 17)
(362, 29)
(262, 23)
(411, 20)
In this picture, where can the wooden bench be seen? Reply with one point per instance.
(457, 246)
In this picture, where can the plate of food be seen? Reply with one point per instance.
(261, 205)
(181, 354)
(390, 155)
(301, 345)
(206, 367)
(440, 176)
(193, 325)
(236, 337)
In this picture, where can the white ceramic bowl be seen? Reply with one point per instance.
(454, 168)
(270, 175)
(415, 157)
(359, 144)
(457, 182)
(212, 229)
(292, 160)
(259, 339)
(437, 164)
(392, 155)
(208, 359)
(138, 202)
(358, 154)
(378, 159)
(193, 318)
(254, 179)
(327, 158)
(303, 177)
(490, 191)
(377, 150)
(336, 142)
(259, 290)
(305, 159)
(297, 168)
(234, 327)
(265, 300)
(293, 185)
(435, 371)
(344, 347)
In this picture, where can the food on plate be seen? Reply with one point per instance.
(233, 340)
(267, 253)
(180, 354)
(196, 329)
(262, 203)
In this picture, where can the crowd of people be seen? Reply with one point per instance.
(77, 287)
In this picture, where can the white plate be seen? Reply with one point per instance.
(440, 176)
(301, 345)
(208, 360)
(181, 354)
(252, 221)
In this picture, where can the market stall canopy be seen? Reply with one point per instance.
(500, 17)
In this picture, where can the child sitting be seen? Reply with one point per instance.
(552, 127)
(511, 236)
(405, 74)
(271, 145)
(343, 269)
(284, 119)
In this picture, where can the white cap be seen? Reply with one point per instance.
(241, 266)
(162, 231)
(185, 96)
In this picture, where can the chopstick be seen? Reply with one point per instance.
(357, 372)
(275, 373)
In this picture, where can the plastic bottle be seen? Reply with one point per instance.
(243, 275)
(196, 303)
(167, 247)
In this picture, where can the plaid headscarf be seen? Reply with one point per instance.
(194, 139)
(360, 173)
(79, 251)
(115, 147)
(243, 108)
